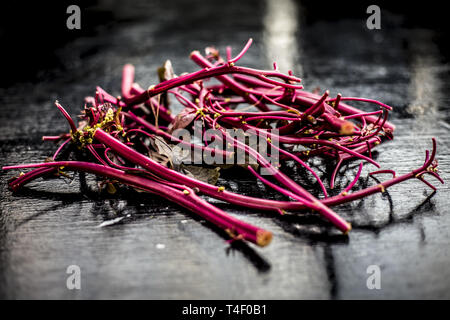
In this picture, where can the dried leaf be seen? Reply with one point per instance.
(110, 188)
(181, 155)
(165, 73)
(208, 175)
(183, 119)
(164, 148)
(161, 159)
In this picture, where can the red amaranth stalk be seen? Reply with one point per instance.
(280, 176)
(73, 127)
(164, 113)
(312, 202)
(172, 138)
(147, 163)
(106, 97)
(24, 178)
(273, 205)
(338, 125)
(243, 51)
(213, 72)
(303, 164)
(427, 168)
(306, 124)
(350, 186)
(186, 198)
(171, 175)
(307, 99)
(301, 140)
(229, 82)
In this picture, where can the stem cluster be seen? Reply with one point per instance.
(123, 139)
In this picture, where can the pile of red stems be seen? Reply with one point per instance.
(114, 133)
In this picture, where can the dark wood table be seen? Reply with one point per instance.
(160, 251)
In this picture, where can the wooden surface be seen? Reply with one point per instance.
(160, 251)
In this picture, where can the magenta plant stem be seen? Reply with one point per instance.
(187, 199)
(119, 132)
(172, 138)
(212, 72)
(171, 175)
(235, 86)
